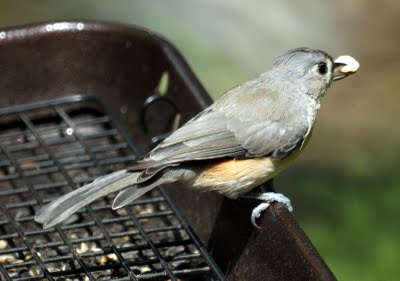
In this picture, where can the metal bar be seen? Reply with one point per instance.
(3, 274)
(57, 128)
(44, 104)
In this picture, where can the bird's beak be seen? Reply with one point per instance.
(343, 66)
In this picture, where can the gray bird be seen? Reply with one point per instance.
(245, 138)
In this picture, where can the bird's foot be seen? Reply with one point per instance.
(268, 198)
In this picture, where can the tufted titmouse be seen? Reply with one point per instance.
(245, 138)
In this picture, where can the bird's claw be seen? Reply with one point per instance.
(256, 213)
(268, 198)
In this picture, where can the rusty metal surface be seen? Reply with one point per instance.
(122, 65)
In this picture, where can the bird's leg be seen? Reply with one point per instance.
(267, 196)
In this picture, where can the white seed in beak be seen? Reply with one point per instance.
(350, 65)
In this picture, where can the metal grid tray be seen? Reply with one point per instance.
(51, 147)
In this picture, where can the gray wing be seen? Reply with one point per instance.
(204, 137)
(248, 121)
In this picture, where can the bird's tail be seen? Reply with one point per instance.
(63, 207)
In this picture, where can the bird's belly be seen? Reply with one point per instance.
(234, 177)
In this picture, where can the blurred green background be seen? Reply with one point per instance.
(346, 186)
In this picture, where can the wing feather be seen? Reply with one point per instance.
(248, 121)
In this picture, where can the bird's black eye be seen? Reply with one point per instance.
(322, 68)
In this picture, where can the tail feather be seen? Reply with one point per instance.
(131, 193)
(63, 207)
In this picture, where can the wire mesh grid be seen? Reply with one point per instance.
(51, 147)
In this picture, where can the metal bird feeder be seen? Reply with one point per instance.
(81, 99)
